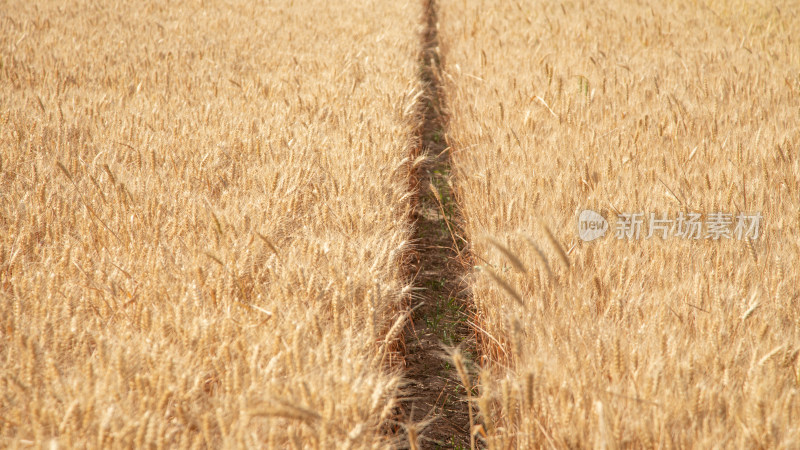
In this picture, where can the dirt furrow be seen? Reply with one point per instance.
(436, 399)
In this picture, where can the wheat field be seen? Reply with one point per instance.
(203, 214)
(209, 213)
(627, 107)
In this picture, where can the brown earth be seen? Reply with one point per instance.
(435, 394)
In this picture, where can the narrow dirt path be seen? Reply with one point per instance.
(435, 393)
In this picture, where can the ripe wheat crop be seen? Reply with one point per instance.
(203, 211)
(207, 207)
(666, 107)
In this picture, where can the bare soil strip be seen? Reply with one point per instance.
(436, 397)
